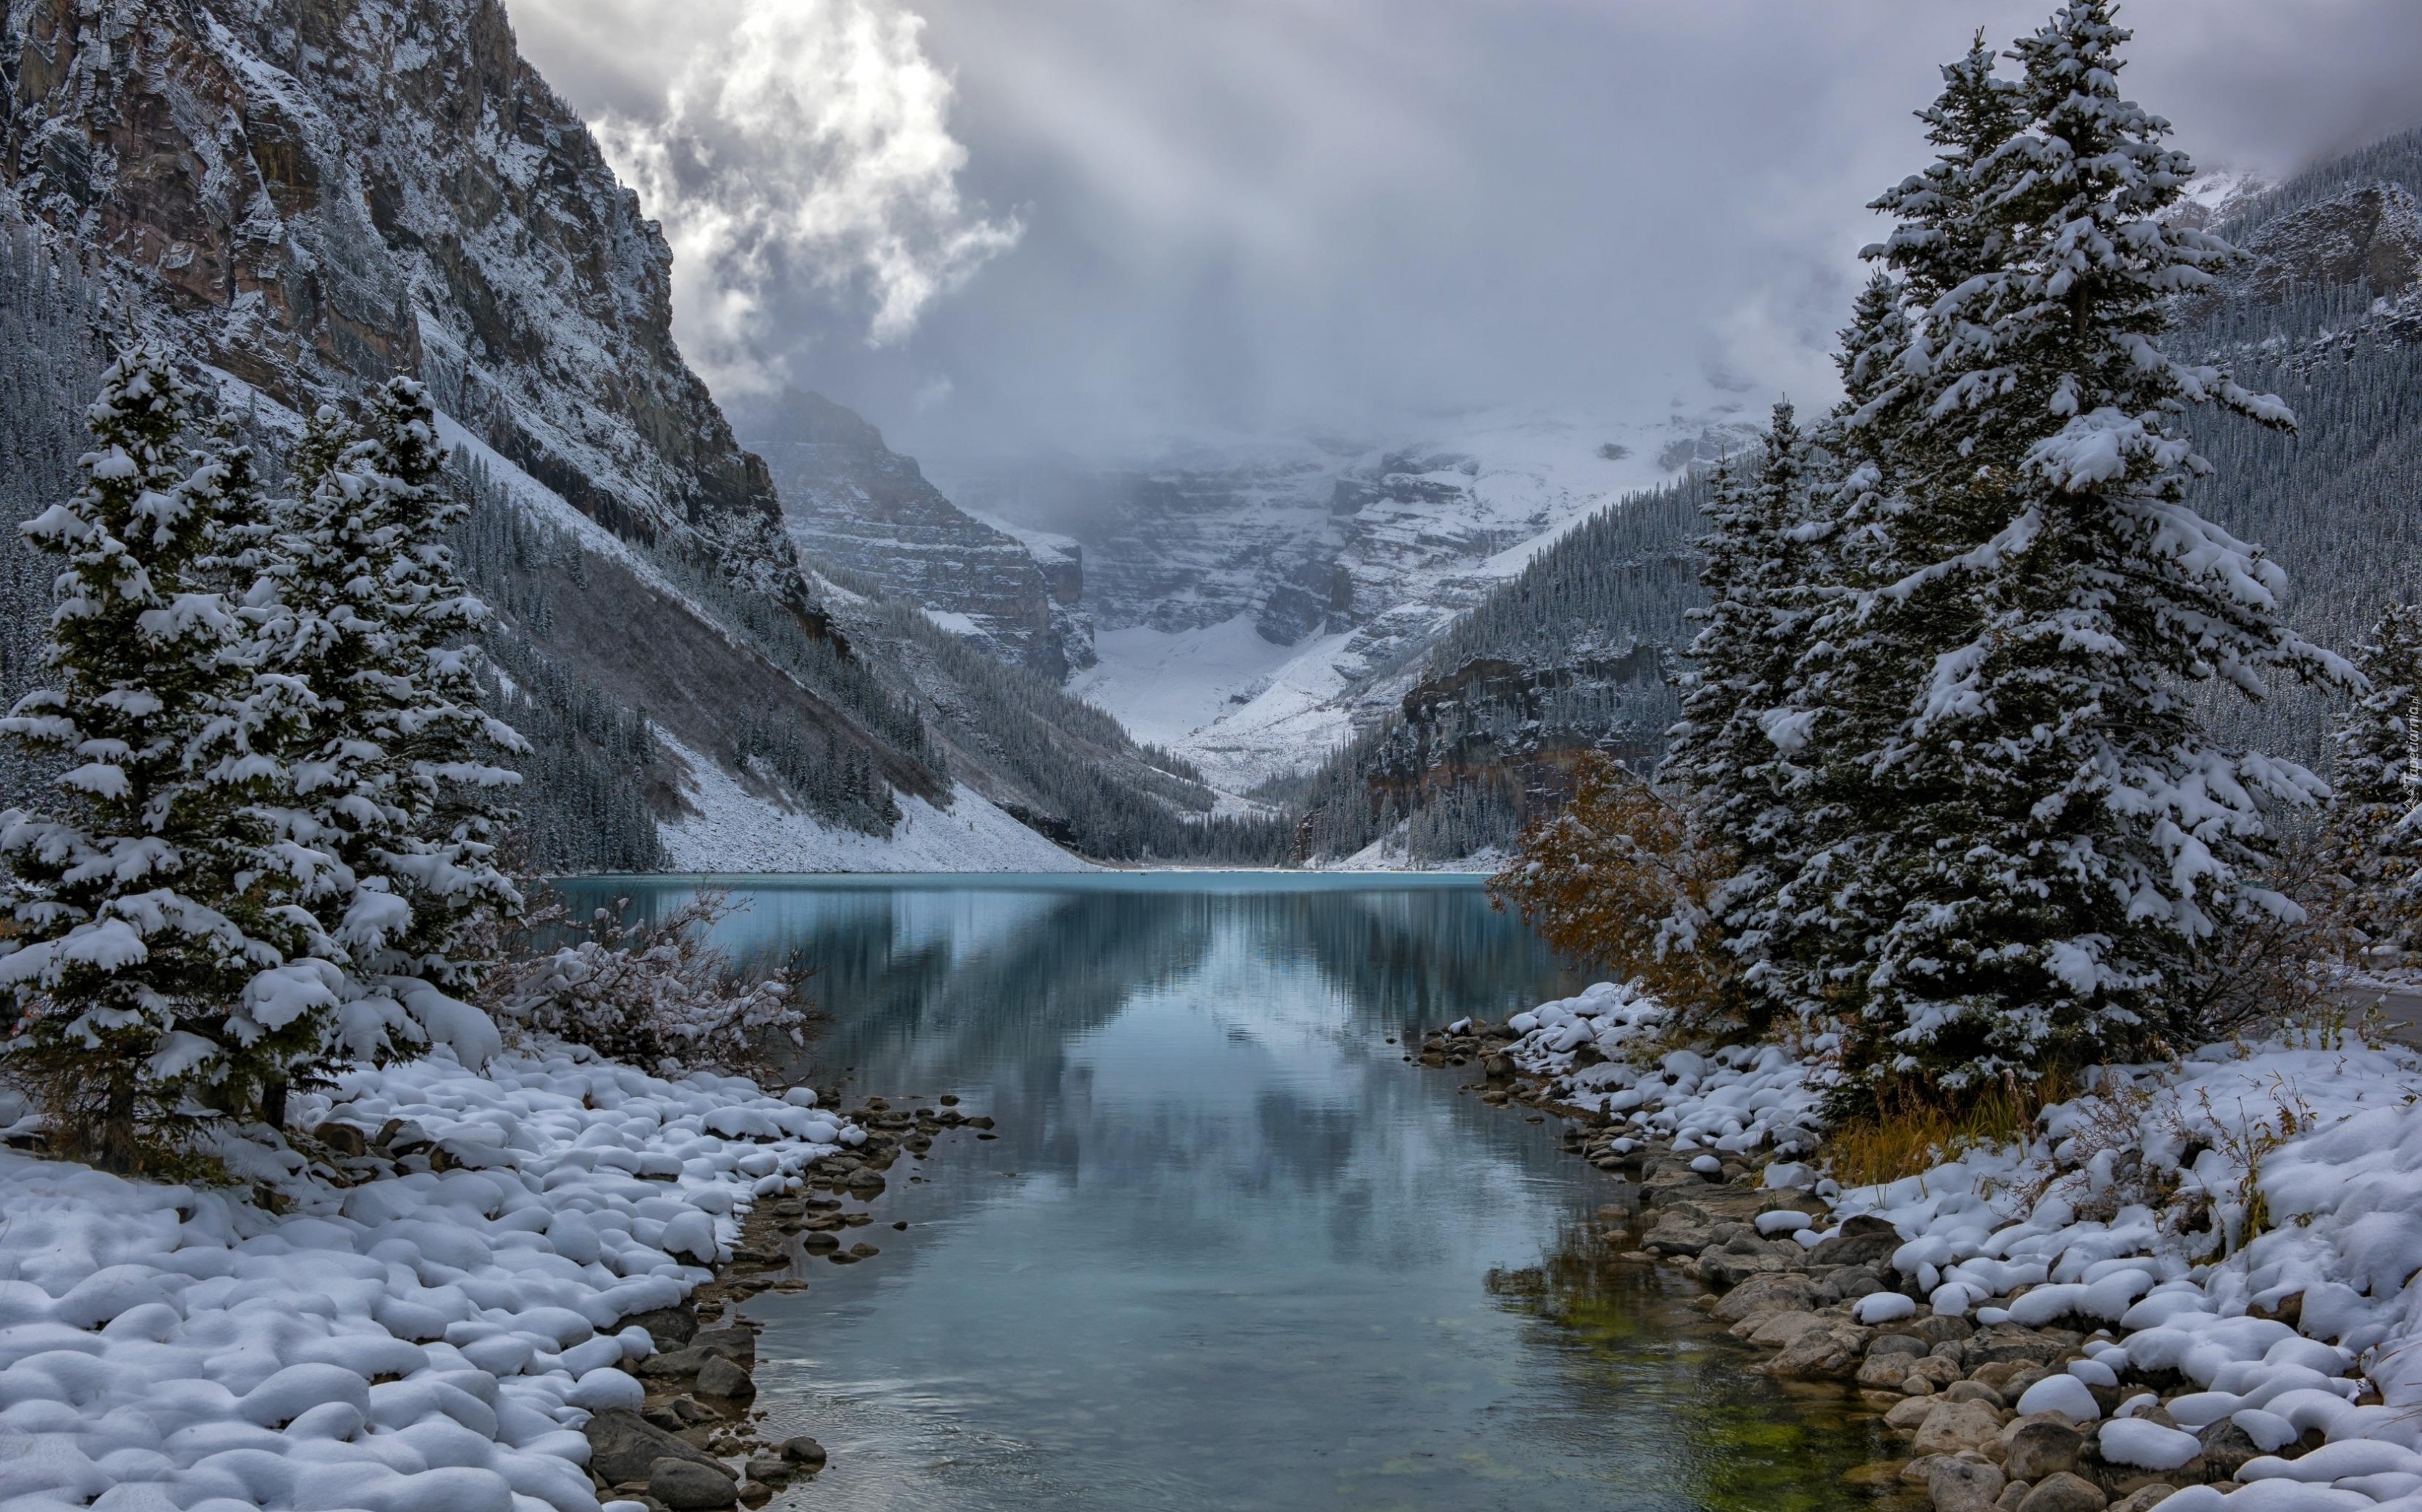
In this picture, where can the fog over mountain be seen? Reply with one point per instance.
(1092, 226)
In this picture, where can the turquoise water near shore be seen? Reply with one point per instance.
(1227, 1249)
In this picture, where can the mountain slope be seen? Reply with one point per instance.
(1254, 613)
(854, 503)
(2326, 312)
(305, 198)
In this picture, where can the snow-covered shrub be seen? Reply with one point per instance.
(657, 994)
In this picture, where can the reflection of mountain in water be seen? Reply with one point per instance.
(1236, 1037)
(1227, 1249)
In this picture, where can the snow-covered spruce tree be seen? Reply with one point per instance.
(2051, 835)
(162, 962)
(1735, 756)
(401, 781)
(1848, 689)
(2374, 835)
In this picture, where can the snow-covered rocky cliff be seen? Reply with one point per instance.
(312, 195)
(854, 504)
(1252, 613)
(306, 197)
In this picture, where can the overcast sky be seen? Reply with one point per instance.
(1095, 226)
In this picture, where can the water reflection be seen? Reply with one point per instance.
(1229, 1249)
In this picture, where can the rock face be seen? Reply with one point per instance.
(315, 195)
(854, 503)
(2370, 235)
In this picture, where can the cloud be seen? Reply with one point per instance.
(1287, 216)
(794, 146)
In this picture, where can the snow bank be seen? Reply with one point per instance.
(1737, 1100)
(735, 830)
(2249, 1217)
(419, 1341)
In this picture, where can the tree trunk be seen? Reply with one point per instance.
(273, 1105)
(118, 1148)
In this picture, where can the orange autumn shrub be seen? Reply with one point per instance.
(1621, 878)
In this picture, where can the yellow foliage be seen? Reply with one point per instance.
(1621, 878)
(1913, 1132)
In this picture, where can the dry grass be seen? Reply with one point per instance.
(1914, 1134)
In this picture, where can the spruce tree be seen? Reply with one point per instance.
(402, 783)
(162, 963)
(2051, 835)
(2374, 834)
(1738, 751)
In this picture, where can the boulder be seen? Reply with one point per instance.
(1675, 1236)
(1727, 1268)
(687, 1486)
(1896, 1344)
(1973, 1391)
(1832, 1351)
(1884, 1372)
(737, 1345)
(670, 1327)
(1951, 1426)
(1780, 1291)
(1933, 1370)
(2040, 1446)
(342, 1138)
(1909, 1413)
(2065, 1492)
(1864, 1240)
(1963, 1485)
(2005, 1342)
(1784, 1329)
(1938, 1330)
(803, 1450)
(2226, 1448)
(1850, 1282)
(720, 1378)
(2144, 1498)
(770, 1472)
(624, 1446)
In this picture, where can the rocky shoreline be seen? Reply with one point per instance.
(697, 1443)
(1993, 1416)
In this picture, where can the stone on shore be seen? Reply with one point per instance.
(688, 1486)
(803, 1450)
(1963, 1485)
(1951, 1426)
(2037, 1447)
(719, 1378)
(1833, 1350)
(1784, 1329)
(1780, 1291)
(624, 1446)
(2065, 1492)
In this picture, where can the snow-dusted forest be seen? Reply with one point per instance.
(1987, 787)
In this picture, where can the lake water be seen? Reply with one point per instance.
(1229, 1249)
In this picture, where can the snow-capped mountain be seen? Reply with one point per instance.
(853, 503)
(1253, 609)
(304, 197)
(311, 196)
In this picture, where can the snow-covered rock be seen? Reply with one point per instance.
(422, 1341)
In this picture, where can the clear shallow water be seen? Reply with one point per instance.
(1229, 1249)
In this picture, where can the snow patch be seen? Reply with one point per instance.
(418, 1340)
(733, 831)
